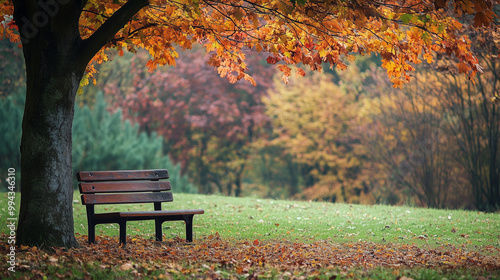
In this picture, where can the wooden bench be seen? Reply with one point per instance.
(130, 186)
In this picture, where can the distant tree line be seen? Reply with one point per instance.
(102, 141)
(340, 136)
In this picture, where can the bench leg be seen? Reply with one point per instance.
(123, 232)
(90, 223)
(189, 227)
(158, 230)
(91, 233)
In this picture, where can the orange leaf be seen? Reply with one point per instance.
(438, 4)
(300, 72)
(481, 19)
(463, 68)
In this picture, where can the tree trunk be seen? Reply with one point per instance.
(46, 214)
(51, 44)
(56, 58)
(238, 181)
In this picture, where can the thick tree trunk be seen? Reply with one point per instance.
(51, 49)
(56, 58)
(46, 215)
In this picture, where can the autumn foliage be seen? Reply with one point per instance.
(209, 122)
(310, 33)
(314, 120)
(306, 32)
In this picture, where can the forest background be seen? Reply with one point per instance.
(338, 136)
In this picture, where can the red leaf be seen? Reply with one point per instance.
(272, 60)
(12, 25)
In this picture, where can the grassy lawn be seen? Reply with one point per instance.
(253, 218)
(231, 225)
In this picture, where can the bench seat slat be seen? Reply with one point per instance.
(92, 199)
(122, 175)
(129, 186)
(149, 214)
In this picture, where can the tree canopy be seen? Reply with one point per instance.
(307, 32)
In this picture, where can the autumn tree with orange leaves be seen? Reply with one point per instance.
(62, 40)
(315, 122)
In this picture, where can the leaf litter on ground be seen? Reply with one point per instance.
(211, 255)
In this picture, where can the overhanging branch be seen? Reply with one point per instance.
(108, 29)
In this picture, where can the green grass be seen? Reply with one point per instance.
(99, 271)
(266, 219)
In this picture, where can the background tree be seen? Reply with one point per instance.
(272, 172)
(438, 137)
(407, 138)
(315, 123)
(209, 122)
(11, 111)
(12, 72)
(102, 141)
(12, 79)
(473, 118)
(60, 38)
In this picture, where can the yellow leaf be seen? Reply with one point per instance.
(428, 57)
(457, 24)
(323, 52)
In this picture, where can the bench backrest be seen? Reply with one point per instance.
(125, 186)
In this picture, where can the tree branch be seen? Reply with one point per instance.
(108, 29)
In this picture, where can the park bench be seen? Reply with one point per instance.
(130, 186)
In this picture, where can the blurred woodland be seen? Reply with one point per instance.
(338, 136)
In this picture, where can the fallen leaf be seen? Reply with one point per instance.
(126, 266)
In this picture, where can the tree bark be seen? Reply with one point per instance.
(56, 58)
(53, 73)
(46, 214)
